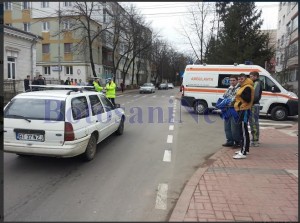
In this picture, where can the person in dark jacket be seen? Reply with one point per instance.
(35, 82)
(40, 80)
(27, 83)
(67, 82)
(243, 102)
(254, 114)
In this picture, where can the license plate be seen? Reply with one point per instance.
(30, 137)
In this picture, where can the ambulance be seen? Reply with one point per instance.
(203, 85)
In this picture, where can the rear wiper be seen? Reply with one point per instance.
(19, 116)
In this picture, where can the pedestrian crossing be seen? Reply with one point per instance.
(271, 124)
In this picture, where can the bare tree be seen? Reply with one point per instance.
(84, 22)
(196, 26)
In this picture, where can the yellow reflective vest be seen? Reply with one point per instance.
(111, 90)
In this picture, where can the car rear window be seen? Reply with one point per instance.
(38, 109)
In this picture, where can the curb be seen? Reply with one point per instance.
(183, 202)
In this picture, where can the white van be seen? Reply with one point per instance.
(204, 84)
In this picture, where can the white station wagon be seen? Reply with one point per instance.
(60, 123)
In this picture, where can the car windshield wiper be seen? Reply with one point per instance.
(19, 116)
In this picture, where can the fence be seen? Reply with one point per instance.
(13, 87)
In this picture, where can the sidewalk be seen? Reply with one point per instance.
(262, 187)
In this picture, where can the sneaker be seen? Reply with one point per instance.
(227, 144)
(239, 156)
(237, 152)
(254, 144)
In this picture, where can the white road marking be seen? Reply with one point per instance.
(171, 96)
(294, 172)
(170, 139)
(167, 156)
(171, 127)
(163, 96)
(128, 102)
(278, 124)
(172, 120)
(161, 197)
(154, 96)
(123, 104)
(174, 111)
(144, 96)
(120, 95)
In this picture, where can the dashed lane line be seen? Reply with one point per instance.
(171, 127)
(161, 197)
(170, 139)
(167, 156)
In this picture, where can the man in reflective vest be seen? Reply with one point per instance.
(97, 86)
(111, 90)
(243, 102)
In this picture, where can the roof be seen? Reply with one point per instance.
(22, 31)
(57, 94)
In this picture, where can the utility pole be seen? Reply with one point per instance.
(59, 43)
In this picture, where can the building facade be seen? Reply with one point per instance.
(19, 58)
(62, 53)
(287, 46)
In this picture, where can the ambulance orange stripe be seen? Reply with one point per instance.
(209, 90)
(222, 69)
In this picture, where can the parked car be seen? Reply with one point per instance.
(170, 85)
(163, 86)
(60, 123)
(147, 88)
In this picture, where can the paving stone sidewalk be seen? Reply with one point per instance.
(262, 187)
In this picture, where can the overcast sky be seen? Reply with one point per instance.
(168, 17)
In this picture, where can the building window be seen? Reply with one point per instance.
(8, 24)
(67, 4)
(294, 25)
(46, 26)
(26, 5)
(45, 4)
(69, 70)
(7, 5)
(293, 49)
(46, 48)
(11, 68)
(47, 70)
(26, 27)
(67, 24)
(68, 47)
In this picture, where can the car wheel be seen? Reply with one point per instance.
(279, 113)
(200, 107)
(91, 148)
(120, 130)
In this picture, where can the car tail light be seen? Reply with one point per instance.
(69, 132)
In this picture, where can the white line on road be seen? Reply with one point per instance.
(170, 139)
(154, 96)
(280, 124)
(171, 127)
(120, 95)
(171, 96)
(167, 156)
(161, 197)
(123, 104)
(136, 96)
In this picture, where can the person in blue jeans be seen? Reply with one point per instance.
(231, 126)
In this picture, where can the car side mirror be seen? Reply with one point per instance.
(117, 106)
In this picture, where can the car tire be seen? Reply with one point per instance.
(279, 113)
(120, 130)
(91, 148)
(200, 107)
(23, 155)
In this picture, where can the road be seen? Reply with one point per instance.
(135, 177)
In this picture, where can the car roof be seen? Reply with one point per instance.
(59, 94)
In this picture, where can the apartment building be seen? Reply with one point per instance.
(63, 53)
(287, 45)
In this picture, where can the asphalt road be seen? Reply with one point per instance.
(135, 177)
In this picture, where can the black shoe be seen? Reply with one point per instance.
(237, 145)
(227, 144)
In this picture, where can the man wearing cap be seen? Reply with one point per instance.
(111, 90)
(98, 88)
